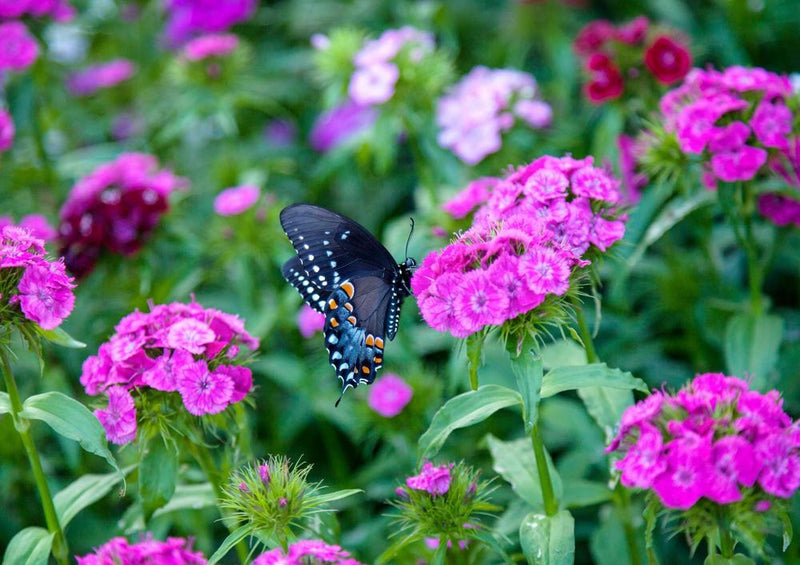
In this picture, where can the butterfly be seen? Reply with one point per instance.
(344, 272)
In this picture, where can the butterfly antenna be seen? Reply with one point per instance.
(409, 235)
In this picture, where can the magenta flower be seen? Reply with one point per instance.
(309, 321)
(98, 77)
(7, 131)
(18, 48)
(389, 395)
(212, 45)
(119, 417)
(303, 551)
(59, 10)
(43, 292)
(532, 231)
(339, 125)
(710, 440)
(483, 105)
(234, 201)
(188, 18)
(170, 349)
(119, 551)
(434, 480)
(115, 207)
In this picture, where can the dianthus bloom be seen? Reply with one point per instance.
(97, 77)
(35, 223)
(309, 321)
(18, 48)
(713, 439)
(188, 18)
(375, 75)
(389, 395)
(234, 201)
(613, 54)
(59, 10)
(6, 131)
(115, 207)
(177, 347)
(212, 45)
(483, 105)
(335, 127)
(531, 232)
(311, 552)
(32, 287)
(119, 551)
(432, 479)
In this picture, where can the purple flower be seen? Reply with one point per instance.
(644, 460)
(780, 474)
(480, 302)
(309, 321)
(234, 201)
(119, 551)
(203, 392)
(280, 133)
(738, 165)
(212, 45)
(683, 481)
(195, 17)
(7, 131)
(18, 48)
(781, 210)
(434, 480)
(373, 84)
(389, 395)
(119, 417)
(304, 551)
(98, 77)
(337, 126)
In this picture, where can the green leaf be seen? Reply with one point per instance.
(605, 406)
(5, 403)
(786, 521)
(548, 540)
(189, 497)
(516, 463)
(391, 552)
(487, 539)
(751, 346)
(586, 376)
(580, 492)
(30, 546)
(83, 492)
(71, 419)
(738, 559)
(528, 371)
(60, 337)
(651, 518)
(465, 410)
(607, 542)
(233, 538)
(441, 554)
(333, 496)
(158, 473)
(474, 354)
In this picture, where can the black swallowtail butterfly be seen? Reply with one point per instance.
(342, 271)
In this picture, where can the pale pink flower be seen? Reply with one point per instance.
(204, 392)
(212, 45)
(309, 321)
(189, 334)
(389, 395)
(234, 201)
(434, 480)
(374, 84)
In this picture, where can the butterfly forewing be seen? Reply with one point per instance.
(314, 296)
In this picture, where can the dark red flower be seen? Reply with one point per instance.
(593, 36)
(634, 31)
(668, 60)
(606, 82)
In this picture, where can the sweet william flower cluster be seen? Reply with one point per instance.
(487, 102)
(114, 208)
(531, 231)
(176, 347)
(119, 551)
(190, 18)
(306, 552)
(714, 439)
(32, 287)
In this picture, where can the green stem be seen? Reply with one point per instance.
(22, 425)
(586, 335)
(206, 462)
(754, 271)
(622, 501)
(726, 543)
(549, 497)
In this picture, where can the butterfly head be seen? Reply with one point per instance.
(406, 271)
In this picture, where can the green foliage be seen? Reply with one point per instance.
(548, 540)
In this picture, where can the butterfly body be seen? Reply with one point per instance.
(342, 271)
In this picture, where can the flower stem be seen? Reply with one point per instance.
(22, 425)
(754, 271)
(586, 336)
(726, 543)
(549, 497)
(206, 462)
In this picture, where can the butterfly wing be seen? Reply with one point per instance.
(295, 274)
(355, 328)
(333, 248)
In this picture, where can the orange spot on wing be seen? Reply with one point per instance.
(348, 306)
(379, 343)
(377, 359)
(332, 304)
(334, 323)
(370, 340)
(365, 370)
(352, 320)
(348, 287)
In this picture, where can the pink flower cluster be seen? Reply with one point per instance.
(18, 48)
(188, 18)
(114, 207)
(59, 10)
(175, 347)
(531, 230)
(712, 439)
(611, 54)
(236, 200)
(433, 480)
(376, 72)
(306, 552)
(7, 131)
(35, 223)
(389, 395)
(40, 287)
(483, 105)
(119, 551)
(97, 77)
(212, 45)
(734, 118)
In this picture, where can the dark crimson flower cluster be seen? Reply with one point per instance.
(114, 207)
(613, 54)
